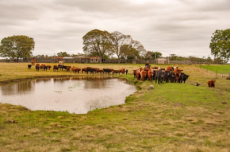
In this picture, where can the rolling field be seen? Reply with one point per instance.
(171, 117)
(217, 68)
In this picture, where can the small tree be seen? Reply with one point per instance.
(17, 46)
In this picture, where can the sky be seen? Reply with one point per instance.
(181, 27)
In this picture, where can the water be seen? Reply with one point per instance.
(75, 95)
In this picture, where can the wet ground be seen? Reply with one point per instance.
(75, 95)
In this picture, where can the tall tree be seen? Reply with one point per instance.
(220, 44)
(122, 39)
(98, 41)
(17, 46)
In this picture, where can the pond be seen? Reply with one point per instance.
(75, 95)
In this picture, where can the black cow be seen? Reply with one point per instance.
(37, 67)
(159, 76)
(183, 77)
(172, 77)
(108, 70)
(45, 68)
(91, 70)
(29, 66)
(166, 76)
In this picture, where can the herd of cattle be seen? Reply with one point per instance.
(172, 74)
(87, 70)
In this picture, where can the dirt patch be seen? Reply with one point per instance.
(178, 104)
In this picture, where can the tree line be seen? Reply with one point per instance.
(107, 45)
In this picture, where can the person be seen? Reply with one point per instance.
(33, 61)
(61, 63)
(147, 65)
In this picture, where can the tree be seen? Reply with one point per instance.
(62, 54)
(122, 39)
(98, 41)
(220, 44)
(17, 46)
(128, 52)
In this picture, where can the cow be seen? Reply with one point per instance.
(171, 77)
(124, 71)
(29, 66)
(99, 71)
(91, 70)
(45, 68)
(150, 74)
(159, 76)
(166, 76)
(48, 67)
(75, 69)
(68, 68)
(177, 74)
(143, 74)
(55, 68)
(116, 71)
(183, 77)
(170, 69)
(37, 67)
(134, 73)
(211, 83)
(108, 70)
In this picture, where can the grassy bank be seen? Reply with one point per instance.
(171, 117)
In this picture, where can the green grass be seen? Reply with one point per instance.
(217, 68)
(171, 117)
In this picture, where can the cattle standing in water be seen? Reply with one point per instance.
(211, 83)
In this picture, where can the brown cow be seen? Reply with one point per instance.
(48, 67)
(68, 68)
(99, 71)
(76, 69)
(211, 83)
(143, 75)
(177, 74)
(116, 71)
(150, 74)
(123, 71)
(55, 68)
(169, 69)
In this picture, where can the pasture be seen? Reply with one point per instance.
(171, 117)
(217, 68)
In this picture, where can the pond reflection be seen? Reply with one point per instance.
(75, 95)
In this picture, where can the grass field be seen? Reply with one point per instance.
(217, 68)
(171, 117)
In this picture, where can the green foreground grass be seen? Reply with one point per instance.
(171, 117)
(217, 68)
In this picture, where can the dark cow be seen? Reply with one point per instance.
(183, 77)
(108, 70)
(159, 76)
(171, 77)
(29, 66)
(211, 83)
(166, 76)
(45, 68)
(37, 67)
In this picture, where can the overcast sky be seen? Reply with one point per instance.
(182, 27)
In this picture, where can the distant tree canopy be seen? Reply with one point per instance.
(63, 54)
(17, 46)
(128, 52)
(99, 42)
(152, 55)
(220, 44)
